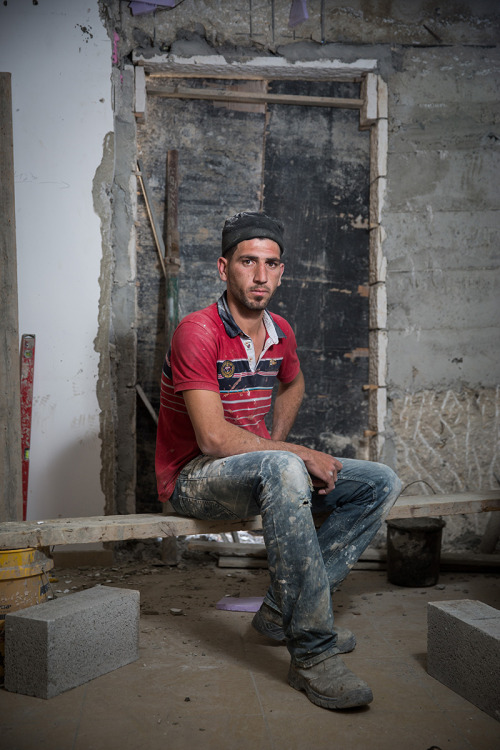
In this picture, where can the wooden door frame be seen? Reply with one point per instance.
(373, 116)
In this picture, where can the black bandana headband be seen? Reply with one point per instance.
(248, 226)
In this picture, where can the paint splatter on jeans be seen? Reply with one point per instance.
(305, 564)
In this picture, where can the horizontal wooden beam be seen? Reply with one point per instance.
(242, 97)
(14, 535)
(450, 504)
(18, 534)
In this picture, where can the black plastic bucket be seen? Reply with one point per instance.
(414, 551)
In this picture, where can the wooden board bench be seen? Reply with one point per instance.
(61, 531)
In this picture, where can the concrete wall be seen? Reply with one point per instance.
(440, 213)
(59, 56)
(442, 224)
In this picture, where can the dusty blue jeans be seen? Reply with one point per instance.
(305, 564)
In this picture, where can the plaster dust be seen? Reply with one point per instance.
(206, 680)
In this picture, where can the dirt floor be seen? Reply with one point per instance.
(206, 679)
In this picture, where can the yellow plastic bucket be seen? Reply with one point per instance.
(23, 583)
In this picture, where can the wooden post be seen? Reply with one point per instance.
(172, 257)
(11, 501)
(170, 552)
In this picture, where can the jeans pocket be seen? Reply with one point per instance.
(202, 509)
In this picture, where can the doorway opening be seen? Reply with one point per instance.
(311, 165)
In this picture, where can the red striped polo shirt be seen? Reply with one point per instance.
(208, 353)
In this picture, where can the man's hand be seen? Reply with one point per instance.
(323, 469)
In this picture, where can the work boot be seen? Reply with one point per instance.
(330, 684)
(268, 623)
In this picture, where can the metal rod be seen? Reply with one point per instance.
(147, 403)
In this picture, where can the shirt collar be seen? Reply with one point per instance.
(233, 329)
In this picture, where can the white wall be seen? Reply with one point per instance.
(59, 56)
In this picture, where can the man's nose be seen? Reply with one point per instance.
(260, 272)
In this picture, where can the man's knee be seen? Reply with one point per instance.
(388, 484)
(289, 472)
(392, 483)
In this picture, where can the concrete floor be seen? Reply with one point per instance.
(205, 679)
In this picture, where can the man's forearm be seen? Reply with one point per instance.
(286, 407)
(219, 438)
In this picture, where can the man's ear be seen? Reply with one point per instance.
(282, 267)
(222, 264)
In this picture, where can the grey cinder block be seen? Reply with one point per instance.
(57, 645)
(463, 650)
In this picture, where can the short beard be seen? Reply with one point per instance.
(254, 304)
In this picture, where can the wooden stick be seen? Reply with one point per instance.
(250, 97)
(149, 208)
(147, 403)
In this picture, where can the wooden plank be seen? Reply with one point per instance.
(371, 559)
(466, 561)
(222, 95)
(241, 562)
(418, 506)
(11, 493)
(14, 535)
(448, 560)
(229, 549)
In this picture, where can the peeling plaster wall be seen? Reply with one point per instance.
(439, 437)
(439, 213)
(59, 56)
(441, 217)
(448, 440)
(259, 26)
(104, 344)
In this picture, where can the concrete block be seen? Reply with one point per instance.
(378, 357)
(378, 261)
(463, 650)
(378, 306)
(63, 643)
(368, 112)
(379, 143)
(377, 200)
